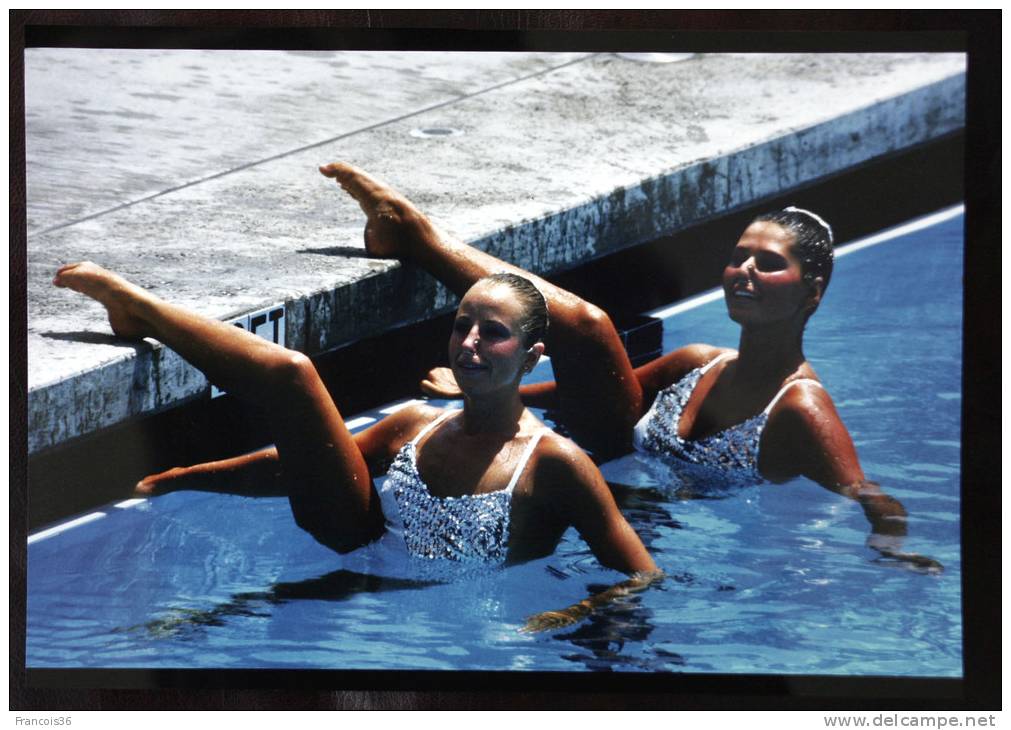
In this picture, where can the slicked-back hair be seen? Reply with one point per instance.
(813, 242)
(534, 324)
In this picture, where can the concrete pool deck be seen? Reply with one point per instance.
(193, 173)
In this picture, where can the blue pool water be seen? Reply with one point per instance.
(769, 579)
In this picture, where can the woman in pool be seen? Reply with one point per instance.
(487, 484)
(758, 413)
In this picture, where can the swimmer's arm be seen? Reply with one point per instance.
(582, 499)
(551, 620)
(256, 474)
(823, 451)
(440, 383)
(653, 377)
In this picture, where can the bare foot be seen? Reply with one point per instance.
(110, 290)
(393, 222)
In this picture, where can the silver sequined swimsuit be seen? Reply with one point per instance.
(469, 528)
(726, 458)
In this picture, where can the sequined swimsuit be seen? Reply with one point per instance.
(469, 528)
(726, 458)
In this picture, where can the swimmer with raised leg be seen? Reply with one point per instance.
(755, 414)
(525, 484)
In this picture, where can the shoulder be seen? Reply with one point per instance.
(696, 355)
(699, 354)
(398, 428)
(805, 435)
(556, 451)
(569, 486)
(413, 418)
(804, 401)
(563, 467)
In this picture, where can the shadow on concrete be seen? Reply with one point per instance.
(96, 338)
(345, 251)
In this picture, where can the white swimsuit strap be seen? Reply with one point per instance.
(527, 453)
(705, 368)
(768, 408)
(430, 426)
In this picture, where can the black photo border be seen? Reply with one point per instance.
(976, 32)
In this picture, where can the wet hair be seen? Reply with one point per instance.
(534, 324)
(812, 240)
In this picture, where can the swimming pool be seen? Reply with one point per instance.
(771, 579)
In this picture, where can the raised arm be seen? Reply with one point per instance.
(808, 438)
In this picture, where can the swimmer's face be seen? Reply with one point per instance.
(486, 349)
(764, 283)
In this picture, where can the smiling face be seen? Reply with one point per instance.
(487, 352)
(764, 283)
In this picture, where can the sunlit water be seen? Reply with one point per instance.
(773, 578)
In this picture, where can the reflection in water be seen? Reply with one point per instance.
(603, 636)
(335, 586)
(646, 510)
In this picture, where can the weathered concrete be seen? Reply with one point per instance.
(560, 159)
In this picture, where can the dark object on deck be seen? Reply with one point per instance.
(642, 336)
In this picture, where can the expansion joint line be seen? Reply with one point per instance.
(297, 150)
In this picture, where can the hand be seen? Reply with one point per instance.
(551, 620)
(890, 549)
(440, 383)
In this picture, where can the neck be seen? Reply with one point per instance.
(493, 413)
(770, 353)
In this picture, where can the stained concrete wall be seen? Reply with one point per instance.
(193, 173)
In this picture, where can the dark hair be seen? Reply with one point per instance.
(535, 319)
(812, 242)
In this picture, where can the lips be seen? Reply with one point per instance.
(470, 366)
(743, 289)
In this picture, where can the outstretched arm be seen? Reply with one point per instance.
(652, 377)
(810, 439)
(581, 497)
(440, 383)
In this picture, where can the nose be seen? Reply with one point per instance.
(470, 342)
(747, 266)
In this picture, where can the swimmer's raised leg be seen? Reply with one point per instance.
(597, 390)
(252, 475)
(330, 490)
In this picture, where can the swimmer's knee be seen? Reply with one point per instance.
(340, 535)
(325, 534)
(293, 370)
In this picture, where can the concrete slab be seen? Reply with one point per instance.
(555, 160)
(112, 126)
